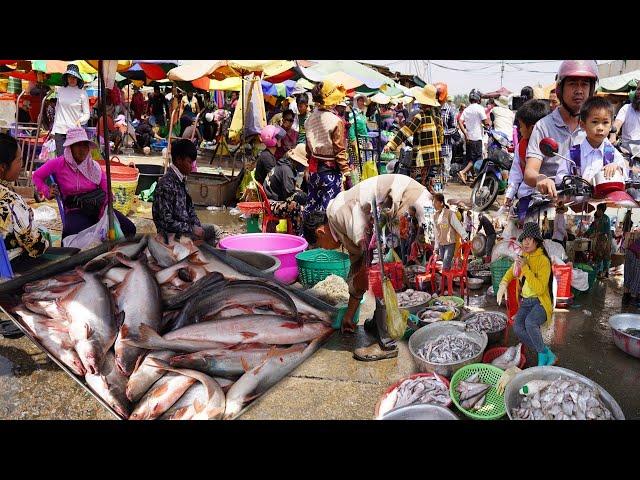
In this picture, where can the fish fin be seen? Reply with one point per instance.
(54, 325)
(291, 325)
(119, 319)
(123, 259)
(195, 259)
(124, 331)
(248, 334)
(199, 406)
(245, 364)
(138, 361)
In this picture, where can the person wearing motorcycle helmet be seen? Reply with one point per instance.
(628, 119)
(470, 124)
(448, 114)
(270, 136)
(575, 83)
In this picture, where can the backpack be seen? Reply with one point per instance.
(574, 154)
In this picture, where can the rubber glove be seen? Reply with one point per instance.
(502, 289)
(505, 378)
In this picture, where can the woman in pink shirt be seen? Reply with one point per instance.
(81, 184)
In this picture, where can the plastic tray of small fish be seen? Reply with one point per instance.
(419, 388)
(492, 323)
(63, 312)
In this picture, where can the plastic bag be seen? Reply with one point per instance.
(396, 318)
(580, 280)
(94, 235)
(392, 256)
(369, 170)
(44, 214)
(147, 195)
(48, 150)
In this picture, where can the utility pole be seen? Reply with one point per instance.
(501, 72)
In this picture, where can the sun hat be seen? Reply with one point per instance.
(332, 93)
(77, 135)
(72, 69)
(299, 154)
(367, 100)
(426, 95)
(502, 101)
(531, 230)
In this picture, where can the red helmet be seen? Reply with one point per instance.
(576, 68)
(442, 91)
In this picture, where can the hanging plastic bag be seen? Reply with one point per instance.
(396, 318)
(369, 170)
(147, 195)
(48, 150)
(392, 256)
(94, 235)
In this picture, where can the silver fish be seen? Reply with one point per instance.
(145, 375)
(486, 322)
(563, 400)
(168, 255)
(106, 260)
(448, 349)
(209, 406)
(510, 358)
(54, 336)
(92, 322)
(110, 384)
(138, 296)
(231, 362)
(422, 390)
(161, 396)
(258, 380)
(270, 329)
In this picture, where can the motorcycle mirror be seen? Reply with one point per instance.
(548, 147)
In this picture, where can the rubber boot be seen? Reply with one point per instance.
(551, 358)
(542, 359)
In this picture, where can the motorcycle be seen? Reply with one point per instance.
(490, 180)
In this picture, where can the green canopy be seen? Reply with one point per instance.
(620, 83)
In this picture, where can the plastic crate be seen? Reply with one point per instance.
(563, 274)
(317, 264)
(394, 272)
(498, 269)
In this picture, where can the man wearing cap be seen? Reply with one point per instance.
(282, 186)
(427, 132)
(72, 107)
(575, 83)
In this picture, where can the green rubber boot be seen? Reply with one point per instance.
(542, 359)
(551, 358)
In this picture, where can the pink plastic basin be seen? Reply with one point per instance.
(280, 245)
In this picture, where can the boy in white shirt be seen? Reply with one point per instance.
(596, 152)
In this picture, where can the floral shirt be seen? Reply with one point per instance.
(16, 223)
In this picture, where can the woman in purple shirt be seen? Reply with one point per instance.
(81, 183)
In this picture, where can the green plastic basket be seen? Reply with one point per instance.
(498, 269)
(317, 264)
(493, 407)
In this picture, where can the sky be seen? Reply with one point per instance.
(463, 75)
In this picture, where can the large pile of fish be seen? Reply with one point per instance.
(487, 322)
(412, 298)
(562, 399)
(157, 330)
(473, 392)
(449, 349)
(422, 390)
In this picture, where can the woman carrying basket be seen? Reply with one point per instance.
(533, 271)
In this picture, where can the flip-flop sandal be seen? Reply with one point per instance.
(373, 358)
(9, 330)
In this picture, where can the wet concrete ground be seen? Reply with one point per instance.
(331, 384)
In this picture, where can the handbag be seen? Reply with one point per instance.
(88, 203)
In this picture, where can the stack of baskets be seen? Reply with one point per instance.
(317, 264)
(498, 269)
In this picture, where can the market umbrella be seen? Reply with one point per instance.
(367, 76)
(221, 69)
(342, 78)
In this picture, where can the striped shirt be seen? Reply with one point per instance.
(428, 135)
(448, 113)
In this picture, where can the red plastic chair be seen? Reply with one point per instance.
(512, 304)
(458, 269)
(431, 269)
(267, 213)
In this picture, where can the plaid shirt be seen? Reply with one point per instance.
(426, 129)
(448, 113)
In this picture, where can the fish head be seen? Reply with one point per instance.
(87, 354)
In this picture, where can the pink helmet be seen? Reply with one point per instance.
(270, 135)
(578, 68)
